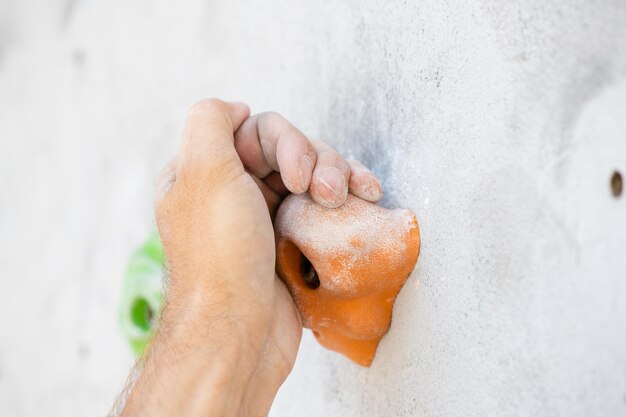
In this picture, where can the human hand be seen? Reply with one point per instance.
(229, 333)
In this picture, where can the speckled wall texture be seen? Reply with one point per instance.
(498, 123)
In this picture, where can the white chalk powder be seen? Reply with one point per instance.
(351, 232)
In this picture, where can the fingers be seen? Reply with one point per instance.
(267, 142)
(272, 198)
(329, 186)
(363, 183)
(276, 184)
(208, 135)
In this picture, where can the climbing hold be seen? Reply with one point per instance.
(344, 268)
(142, 294)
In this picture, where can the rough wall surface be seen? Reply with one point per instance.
(498, 123)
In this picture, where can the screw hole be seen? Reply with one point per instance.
(616, 184)
(141, 314)
(309, 274)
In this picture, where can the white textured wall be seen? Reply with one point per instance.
(498, 123)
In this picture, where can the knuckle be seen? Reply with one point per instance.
(323, 149)
(331, 156)
(167, 175)
(206, 106)
(270, 116)
(343, 164)
(270, 119)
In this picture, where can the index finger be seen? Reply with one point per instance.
(267, 142)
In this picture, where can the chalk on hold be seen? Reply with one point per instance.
(344, 268)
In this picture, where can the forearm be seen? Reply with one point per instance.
(196, 366)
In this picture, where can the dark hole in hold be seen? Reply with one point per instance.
(308, 273)
(141, 314)
(616, 184)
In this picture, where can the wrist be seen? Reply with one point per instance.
(196, 365)
(194, 325)
(214, 313)
(181, 385)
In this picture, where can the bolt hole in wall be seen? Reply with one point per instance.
(309, 274)
(141, 313)
(616, 184)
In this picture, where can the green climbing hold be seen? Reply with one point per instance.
(142, 294)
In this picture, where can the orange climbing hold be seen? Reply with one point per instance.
(344, 268)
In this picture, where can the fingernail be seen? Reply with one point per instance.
(333, 179)
(306, 170)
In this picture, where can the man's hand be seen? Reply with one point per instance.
(230, 332)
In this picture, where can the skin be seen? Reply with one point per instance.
(230, 332)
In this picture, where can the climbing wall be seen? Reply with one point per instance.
(500, 124)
